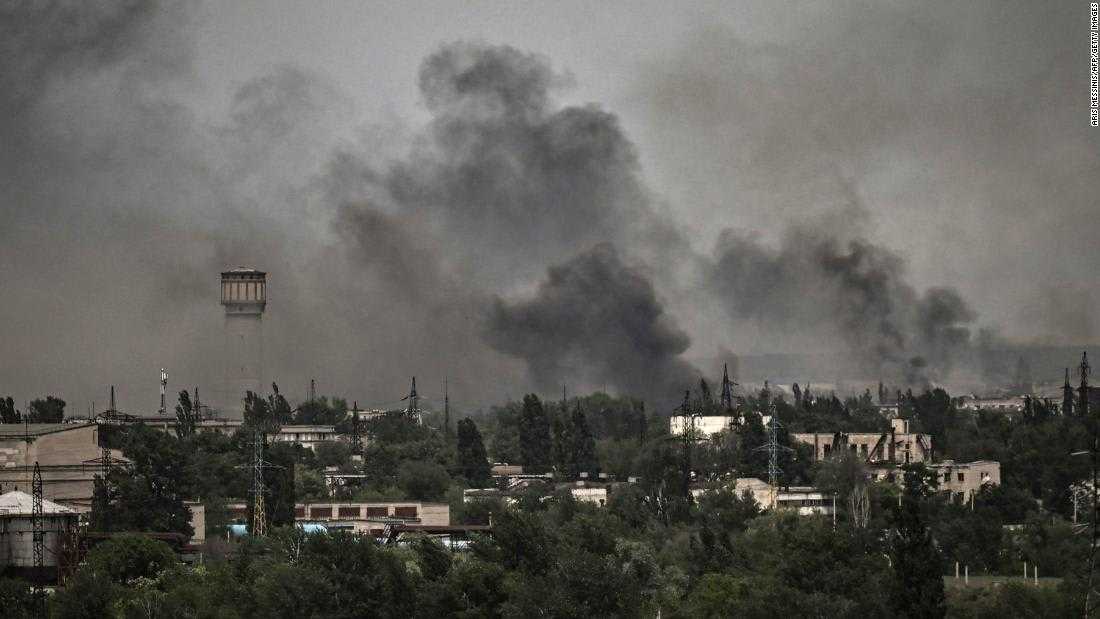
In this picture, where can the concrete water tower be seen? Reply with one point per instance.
(244, 297)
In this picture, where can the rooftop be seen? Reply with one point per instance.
(19, 503)
(13, 430)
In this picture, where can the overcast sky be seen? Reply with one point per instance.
(160, 143)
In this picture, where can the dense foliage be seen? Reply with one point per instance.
(653, 548)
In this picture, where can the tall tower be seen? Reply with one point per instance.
(244, 297)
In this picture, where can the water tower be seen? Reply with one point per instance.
(244, 297)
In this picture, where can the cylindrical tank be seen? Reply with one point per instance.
(244, 297)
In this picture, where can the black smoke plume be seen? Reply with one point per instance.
(854, 294)
(596, 320)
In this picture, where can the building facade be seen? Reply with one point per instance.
(899, 445)
(244, 298)
(68, 454)
(59, 523)
(363, 518)
(705, 426)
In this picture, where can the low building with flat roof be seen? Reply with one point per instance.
(803, 500)
(370, 518)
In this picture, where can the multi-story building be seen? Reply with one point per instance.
(965, 479)
(962, 479)
(899, 445)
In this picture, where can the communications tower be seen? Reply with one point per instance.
(244, 297)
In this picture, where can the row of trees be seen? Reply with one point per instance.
(40, 410)
(559, 558)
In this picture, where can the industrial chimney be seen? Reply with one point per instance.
(244, 297)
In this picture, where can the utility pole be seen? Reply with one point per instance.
(773, 448)
(413, 409)
(446, 409)
(36, 527)
(356, 439)
(688, 438)
(312, 390)
(259, 513)
(727, 389)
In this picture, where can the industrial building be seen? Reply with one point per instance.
(68, 455)
(899, 445)
(366, 518)
(58, 525)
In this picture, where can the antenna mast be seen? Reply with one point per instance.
(163, 389)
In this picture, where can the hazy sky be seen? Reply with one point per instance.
(150, 144)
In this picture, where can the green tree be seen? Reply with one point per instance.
(125, 558)
(8, 414)
(186, 416)
(48, 410)
(279, 484)
(423, 481)
(534, 435)
(18, 599)
(473, 463)
(266, 414)
(322, 411)
(917, 564)
(146, 494)
(333, 453)
(582, 452)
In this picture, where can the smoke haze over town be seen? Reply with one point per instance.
(602, 198)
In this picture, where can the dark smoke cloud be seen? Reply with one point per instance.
(595, 319)
(855, 294)
(503, 183)
(961, 125)
(122, 204)
(505, 179)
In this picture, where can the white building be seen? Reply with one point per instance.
(705, 426)
(1014, 404)
(306, 436)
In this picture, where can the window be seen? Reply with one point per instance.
(299, 512)
(377, 512)
(321, 512)
(863, 450)
(405, 512)
(827, 449)
(348, 512)
(961, 477)
(947, 476)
